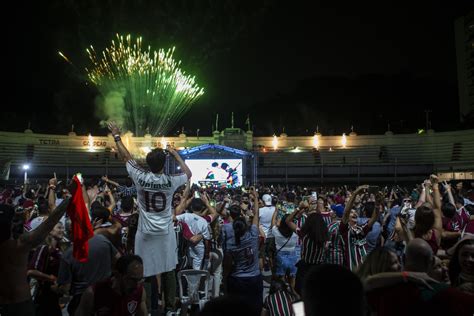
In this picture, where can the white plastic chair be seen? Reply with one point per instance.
(196, 290)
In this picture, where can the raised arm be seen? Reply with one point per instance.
(256, 209)
(429, 197)
(375, 214)
(51, 194)
(108, 181)
(275, 217)
(221, 206)
(38, 235)
(123, 151)
(184, 202)
(212, 211)
(180, 161)
(422, 198)
(350, 203)
(289, 219)
(438, 224)
(402, 229)
(447, 187)
(111, 197)
(390, 199)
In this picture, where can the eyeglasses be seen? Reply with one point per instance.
(406, 201)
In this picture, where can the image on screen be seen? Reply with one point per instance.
(216, 172)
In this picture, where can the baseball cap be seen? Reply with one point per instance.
(338, 209)
(267, 199)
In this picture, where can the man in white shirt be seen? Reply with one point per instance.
(155, 240)
(198, 226)
(265, 215)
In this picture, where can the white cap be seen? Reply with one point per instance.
(267, 199)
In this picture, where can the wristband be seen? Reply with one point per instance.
(117, 138)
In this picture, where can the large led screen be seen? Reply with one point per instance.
(216, 172)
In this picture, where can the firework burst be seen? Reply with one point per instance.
(155, 91)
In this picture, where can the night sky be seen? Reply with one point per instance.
(289, 64)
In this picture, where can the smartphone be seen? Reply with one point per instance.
(298, 308)
(213, 203)
(197, 195)
(314, 194)
(373, 189)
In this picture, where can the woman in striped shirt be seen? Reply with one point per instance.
(279, 301)
(335, 250)
(322, 208)
(353, 236)
(315, 235)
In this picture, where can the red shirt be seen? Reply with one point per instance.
(469, 227)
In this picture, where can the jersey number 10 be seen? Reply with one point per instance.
(155, 201)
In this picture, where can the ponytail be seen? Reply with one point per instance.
(240, 227)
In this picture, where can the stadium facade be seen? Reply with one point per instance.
(397, 158)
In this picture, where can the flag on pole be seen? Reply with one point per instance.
(247, 122)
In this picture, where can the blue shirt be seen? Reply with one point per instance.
(244, 255)
(373, 236)
(393, 219)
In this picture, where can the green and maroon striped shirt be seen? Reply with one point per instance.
(311, 252)
(335, 250)
(354, 244)
(279, 304)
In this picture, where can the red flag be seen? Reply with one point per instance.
(80, 224)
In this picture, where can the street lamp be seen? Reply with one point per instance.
(26, 167)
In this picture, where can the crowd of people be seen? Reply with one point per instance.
(96, 247)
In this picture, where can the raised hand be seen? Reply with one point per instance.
(204, 198)
(171, 150)
(434, 179)
(446, 185)
(113, 128)
(53, 182)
